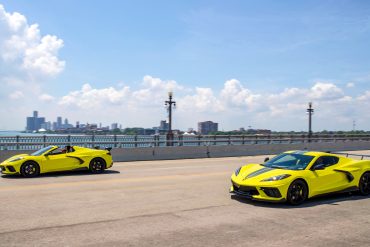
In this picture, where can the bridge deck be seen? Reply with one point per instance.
(169, 203)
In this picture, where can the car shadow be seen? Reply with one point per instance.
(63, 174)
(332, 199)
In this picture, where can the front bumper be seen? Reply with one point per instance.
(259, 193)
(8, 169)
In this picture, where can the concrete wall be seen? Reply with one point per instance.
(163, 153)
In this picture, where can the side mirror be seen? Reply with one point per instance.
(267, 159)
(318, 167)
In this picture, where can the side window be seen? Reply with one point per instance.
(327, 160)
(330, 160)
(57, 151)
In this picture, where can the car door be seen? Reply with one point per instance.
(325, 179)
(57, 160)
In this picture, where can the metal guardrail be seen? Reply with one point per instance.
(129, 141)
(362, 156)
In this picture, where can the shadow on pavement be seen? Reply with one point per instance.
(332, 199)
(63, 174)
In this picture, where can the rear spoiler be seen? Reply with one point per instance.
(107, 148)
(349, 154)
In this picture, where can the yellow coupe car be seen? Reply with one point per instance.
(294, 176)
(54, 159)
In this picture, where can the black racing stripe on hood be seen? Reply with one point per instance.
(259, 172)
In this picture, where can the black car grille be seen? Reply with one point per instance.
(11, 168)
(249, 190)
(271, 192)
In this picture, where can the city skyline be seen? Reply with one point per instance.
(243, 63)
(37, 123)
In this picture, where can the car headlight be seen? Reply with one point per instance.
(276, 178)
(237, 171)
(16, 159)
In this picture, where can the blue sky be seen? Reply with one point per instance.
(268, 47)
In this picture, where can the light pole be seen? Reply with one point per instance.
(354, 125)
(310, 111)
(168, 103)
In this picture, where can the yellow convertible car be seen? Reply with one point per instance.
(54, 159)
(294, 176)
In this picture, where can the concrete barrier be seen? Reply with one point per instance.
(261, 149)
(187, 152)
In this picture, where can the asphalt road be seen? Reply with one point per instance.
(169, 203)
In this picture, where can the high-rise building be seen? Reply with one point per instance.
(114, 126)
(204, 128)
(78, 124)
(30, 124)
(34, 123)
(38, 122)
(163, 125)
(46, 125)
(59, 122)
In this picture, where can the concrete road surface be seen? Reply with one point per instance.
(169, 203)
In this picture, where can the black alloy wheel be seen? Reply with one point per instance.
(30, 169)
(97, 165)
(364, 184)
(297, 192)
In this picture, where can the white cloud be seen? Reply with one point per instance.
(350, 84)
(46, 97)
(154, 90)
(234, 94)
(24, 50)
(285, 109)
(16, 95)
(203, 100)
(325, 91)
(364, 97)
(89, 98)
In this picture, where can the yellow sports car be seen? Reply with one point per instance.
(54, 158)
(294, 176)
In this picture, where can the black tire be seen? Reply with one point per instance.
(297, 192)
(364, 184)
(30, 169)
(97, 165)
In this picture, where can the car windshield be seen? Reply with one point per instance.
(41, 151)
(289, 161)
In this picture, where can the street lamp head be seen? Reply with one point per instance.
(170, 93)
